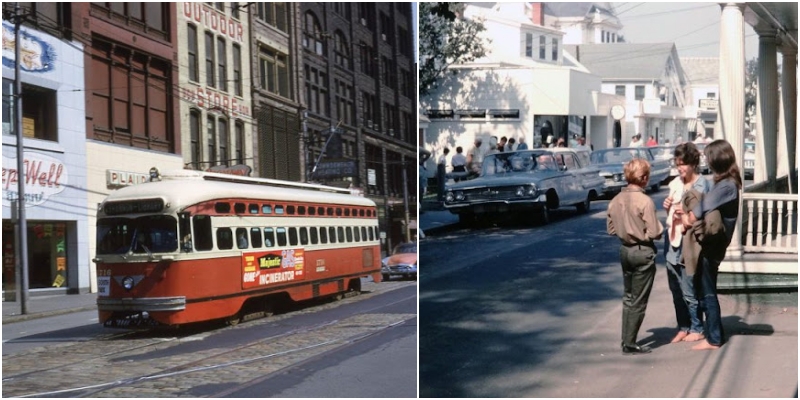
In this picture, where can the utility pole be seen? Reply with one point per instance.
(22, 249)
(405, 202)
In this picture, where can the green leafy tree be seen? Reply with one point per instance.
(445, 38)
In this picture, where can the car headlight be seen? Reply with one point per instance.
(532, 190)
(459, 195)
(521, 191)
(127, 283)
(449, 197)
(617, 177)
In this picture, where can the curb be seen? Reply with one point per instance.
(14, 318)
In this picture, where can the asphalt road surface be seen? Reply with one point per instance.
(361, 346)
(521, 311)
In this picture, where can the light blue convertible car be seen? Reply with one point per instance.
(528, 182)
(611, 163)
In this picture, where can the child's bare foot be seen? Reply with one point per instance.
(693, 337)
(679, 336)
(704, 345)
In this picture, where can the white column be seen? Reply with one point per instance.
(767, 138)
(789, 102)
(731, 95)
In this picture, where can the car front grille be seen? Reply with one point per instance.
(489, 194)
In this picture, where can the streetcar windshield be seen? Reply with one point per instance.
(143, 235)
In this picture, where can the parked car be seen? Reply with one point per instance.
(611, 163)
(703, 163)
(403, 261)
(749, 159)
(666, 153)
(529, 180)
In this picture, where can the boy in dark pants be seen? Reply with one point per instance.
(632, 218)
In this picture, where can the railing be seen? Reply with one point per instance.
(769, 223)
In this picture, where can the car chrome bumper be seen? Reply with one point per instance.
(143, 304)
(495, 206)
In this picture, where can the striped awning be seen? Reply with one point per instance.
(693, 125)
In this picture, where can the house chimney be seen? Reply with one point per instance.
(537, 13)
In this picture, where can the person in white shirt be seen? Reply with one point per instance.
(475, 157)
(459, 162)
(636, 141)
(441, 173)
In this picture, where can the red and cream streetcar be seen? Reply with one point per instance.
(198, 246)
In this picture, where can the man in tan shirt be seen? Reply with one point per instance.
(632, 218)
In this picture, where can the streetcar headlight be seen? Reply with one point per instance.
(127, 283)
(459, 196)
(449, 197)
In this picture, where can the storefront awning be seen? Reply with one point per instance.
(692, 125)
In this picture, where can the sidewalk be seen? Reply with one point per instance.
(48, 306)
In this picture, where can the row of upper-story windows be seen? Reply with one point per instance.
(218, 146)
(532, 51)
(215, 55)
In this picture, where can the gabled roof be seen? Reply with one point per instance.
(624, 60)
(701, 70)
(567, 10)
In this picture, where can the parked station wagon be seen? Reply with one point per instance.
(612, 164)
(529, 181)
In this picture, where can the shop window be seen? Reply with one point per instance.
(47, 255)
(224, 238)
(38, 112)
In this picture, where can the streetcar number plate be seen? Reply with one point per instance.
(103, 285)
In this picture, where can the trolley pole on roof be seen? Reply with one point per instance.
(22, 255)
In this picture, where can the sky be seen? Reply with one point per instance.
(693, 27)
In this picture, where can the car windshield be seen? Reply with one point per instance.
(662, 153)
(613, 156)
(143, 235)
(514, 162)
(405, 248)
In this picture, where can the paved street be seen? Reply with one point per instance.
(519, 311)
(324, 349)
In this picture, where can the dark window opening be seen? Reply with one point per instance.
(222, 208)
(239, 208)
(224, 239)
(255, 237)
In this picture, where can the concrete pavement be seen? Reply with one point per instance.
(42, 306)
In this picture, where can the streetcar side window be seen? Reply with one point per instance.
(332, 234)
(269, 237)
(330, 211)
(224, 238)
(346, 212)
(239, 208)
(241, 238)
(278, 209)
(312, 210)
(290, 210)
(281, 236)
(323, 235)
(364, 233)
(266, 209)
(222, 208)
(303, 235)
(361, 212)
(349, 234)
(338, 211)
(357, 234)
(313, 232)
(201, 233)
(340, 234)
(301, 210)
(375, 228)
(371, 234)
(320, 210)
(255, 237)
(253, 208)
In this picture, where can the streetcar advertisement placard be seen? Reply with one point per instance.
(272, 267)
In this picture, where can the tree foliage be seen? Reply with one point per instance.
(445, 38)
